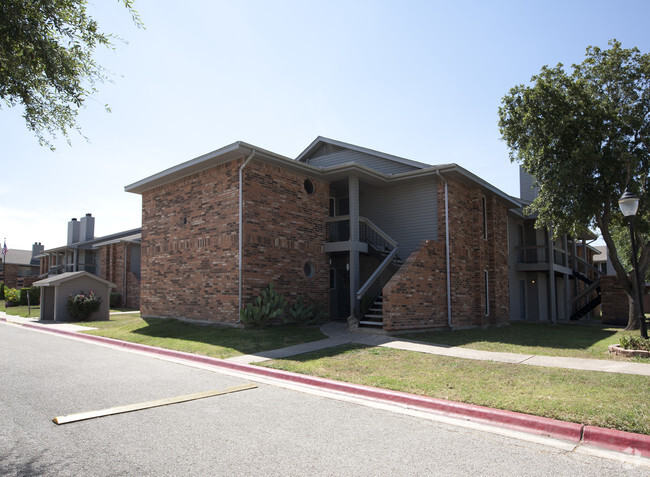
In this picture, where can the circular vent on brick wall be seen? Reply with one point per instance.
(309, 186)
(309, 269)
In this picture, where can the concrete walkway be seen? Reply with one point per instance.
(340, 334)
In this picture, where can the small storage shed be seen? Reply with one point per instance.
(56, 289)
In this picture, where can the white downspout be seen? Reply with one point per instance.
(241, 226)
(124, 296)
(447, 249)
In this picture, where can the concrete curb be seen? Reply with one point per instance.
(620, 441)
(625, 442)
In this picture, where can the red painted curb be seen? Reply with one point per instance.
(626, 442)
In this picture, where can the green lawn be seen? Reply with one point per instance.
(594, 398)
(208, 340)
(571, 340)
(23, 311)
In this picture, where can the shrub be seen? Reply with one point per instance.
(634, 342)
(81, 306)
(2, 290)
(301, 312)
(34, 296)
(12, 297)
(267, 307)
(115, 300)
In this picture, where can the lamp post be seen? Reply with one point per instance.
(629, 204)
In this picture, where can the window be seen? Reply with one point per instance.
(487, 293)
(484, 207)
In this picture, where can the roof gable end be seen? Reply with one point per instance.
(324, 146)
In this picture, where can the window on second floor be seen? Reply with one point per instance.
(484, 214)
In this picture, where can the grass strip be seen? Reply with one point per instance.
(207, 340)
(23, 311)
(569, 340)
(608, 400)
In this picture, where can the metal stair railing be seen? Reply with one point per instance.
(586, 301)
(384, 245)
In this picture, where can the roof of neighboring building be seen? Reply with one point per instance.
(19, 257)
(601, 256)
(134, 238)
(64, 277)
(98, 241)
(239, 150)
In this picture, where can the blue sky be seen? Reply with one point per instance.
(421, 80)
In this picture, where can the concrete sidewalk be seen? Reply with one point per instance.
(340, 334)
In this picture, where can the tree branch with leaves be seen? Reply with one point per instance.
(47, 63)
(584, 137)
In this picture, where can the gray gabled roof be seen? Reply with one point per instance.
(19, 257)
(320, 140)
(241, 149)
(228, 153)
(134, 238)
(64, 277)
(95, 242)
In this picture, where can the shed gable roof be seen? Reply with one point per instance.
(64, 277)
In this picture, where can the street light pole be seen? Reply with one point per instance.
(629, 205)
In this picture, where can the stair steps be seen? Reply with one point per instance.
(374, 315)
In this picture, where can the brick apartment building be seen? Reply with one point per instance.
(398, 243)
(114, 257)
(19, 268)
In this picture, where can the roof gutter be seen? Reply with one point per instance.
(447, 248)
(241, 227)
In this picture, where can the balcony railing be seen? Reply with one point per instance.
(532, 254)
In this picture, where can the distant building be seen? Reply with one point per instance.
(20, 267)
(603, 262)
(114, 257)
(550, 279)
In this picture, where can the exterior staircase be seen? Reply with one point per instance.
(374, 316)
(589, 299)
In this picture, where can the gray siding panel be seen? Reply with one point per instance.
(527, 189)
(408, 212)
(373, 162)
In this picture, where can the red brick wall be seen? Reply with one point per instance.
(422, 279)
(614, 301)
(416, 295)
(190, 241)
(9, 275)
(112, 268)
(189, 247)
(284, 228)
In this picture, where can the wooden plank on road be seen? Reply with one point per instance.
(149, 404)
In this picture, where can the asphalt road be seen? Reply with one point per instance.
(265, 431)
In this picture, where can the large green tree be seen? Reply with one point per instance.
(585, 137)
(47, 63)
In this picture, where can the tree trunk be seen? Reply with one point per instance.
(632, 314)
